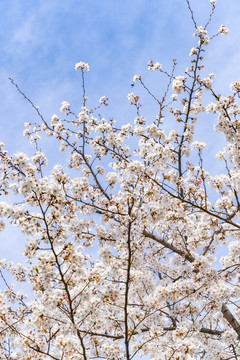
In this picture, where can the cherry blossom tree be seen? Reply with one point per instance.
(155, 218)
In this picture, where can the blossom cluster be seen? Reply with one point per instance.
(223, 30)
(178, 83)
(82, 66)
(154, 67)
(133, 99)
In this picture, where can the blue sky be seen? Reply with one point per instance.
(41, 40)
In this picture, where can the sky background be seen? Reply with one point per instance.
(41, 40)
